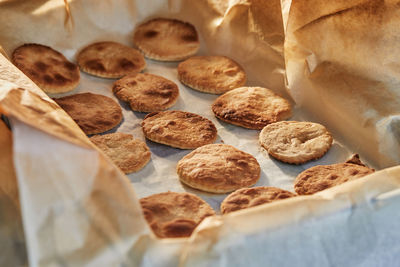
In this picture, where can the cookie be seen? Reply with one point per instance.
(251, 107)
(46, 67)
(129, 154)
(355, 159)
(295, 142)
(93, 113)
(146, 92)
(173, 214)
(166, 39)
(110, 60)
(211, 74)
(218, 168)
(179, 129)
(249, 197)
(321, 177)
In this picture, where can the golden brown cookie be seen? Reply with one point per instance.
(211, 74)
(110, 60)
(249, 197)
(146, 92)
(251, 107)
(166, 39)
(321, 177)
(46, 67)
(173, 214)
(218, 168)
(179, 129)
(295, 142)
(129, 154)
(93, 113)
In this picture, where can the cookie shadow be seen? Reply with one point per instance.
(163, 151)
(263, 181)
(213, 199)
(144, 173)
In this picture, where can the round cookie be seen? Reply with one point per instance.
(146, 92)
(110, 60)
(251, 107)
(211, 74)
(249, 197)
(179, 129)
(166, 39)
(218, 168)
(321, 177)
(129, 154)
(295, 142)
(46, 67)
(93, 113)
(173, 214)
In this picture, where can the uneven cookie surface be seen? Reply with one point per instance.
(218, 168)
(110, 60)
(179, 129)
(211, 74)
(129, 154)
(321, 177)
(146, 92)
(166, 39)
(93, 113)
(46, 67)
(251, 107)
(295, 142)
(173, 214)
(249, 197)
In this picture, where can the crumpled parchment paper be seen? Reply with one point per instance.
(78, 209)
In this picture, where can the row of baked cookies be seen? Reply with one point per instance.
(161, 39)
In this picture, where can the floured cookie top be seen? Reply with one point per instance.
(218, 168)
(46, 67)
(211, 74)
(166, 39)
(251, 107)
(93, 113)
(249, 197)
(179, 129)
(127, 153)
(295, 142)
(110, 60)
(173, 214)
(146, 92)
(321, 177)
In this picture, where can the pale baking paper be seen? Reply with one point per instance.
(83, 211)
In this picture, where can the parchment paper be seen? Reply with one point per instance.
(83, 211)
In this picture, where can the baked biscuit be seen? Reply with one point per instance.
(146, 92)
(46, 67)
(295, 142)
(129, 154)
(179, 129)
(211, 74)
(249, 197)
(321, 177)
(218, 168)
(166, 39)
(93, 113)
(251, 107)
(173, 214)
(110, 60)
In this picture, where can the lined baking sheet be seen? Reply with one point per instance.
(159, 175)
